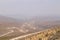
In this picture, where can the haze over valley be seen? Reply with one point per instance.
(26, 18)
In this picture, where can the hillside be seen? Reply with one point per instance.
(48, 34)
(7, 24)
(11, 28)
(7, 21)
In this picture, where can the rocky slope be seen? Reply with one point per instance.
(49, 34)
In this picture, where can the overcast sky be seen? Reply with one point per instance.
(29, 8)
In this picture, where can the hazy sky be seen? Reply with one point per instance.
(29, 8)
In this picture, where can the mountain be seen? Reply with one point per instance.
(7, 21)
(10, 27)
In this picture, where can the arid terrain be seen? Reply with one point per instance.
(11, 28)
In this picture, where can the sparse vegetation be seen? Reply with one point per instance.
(50, 34)
(27, 27)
